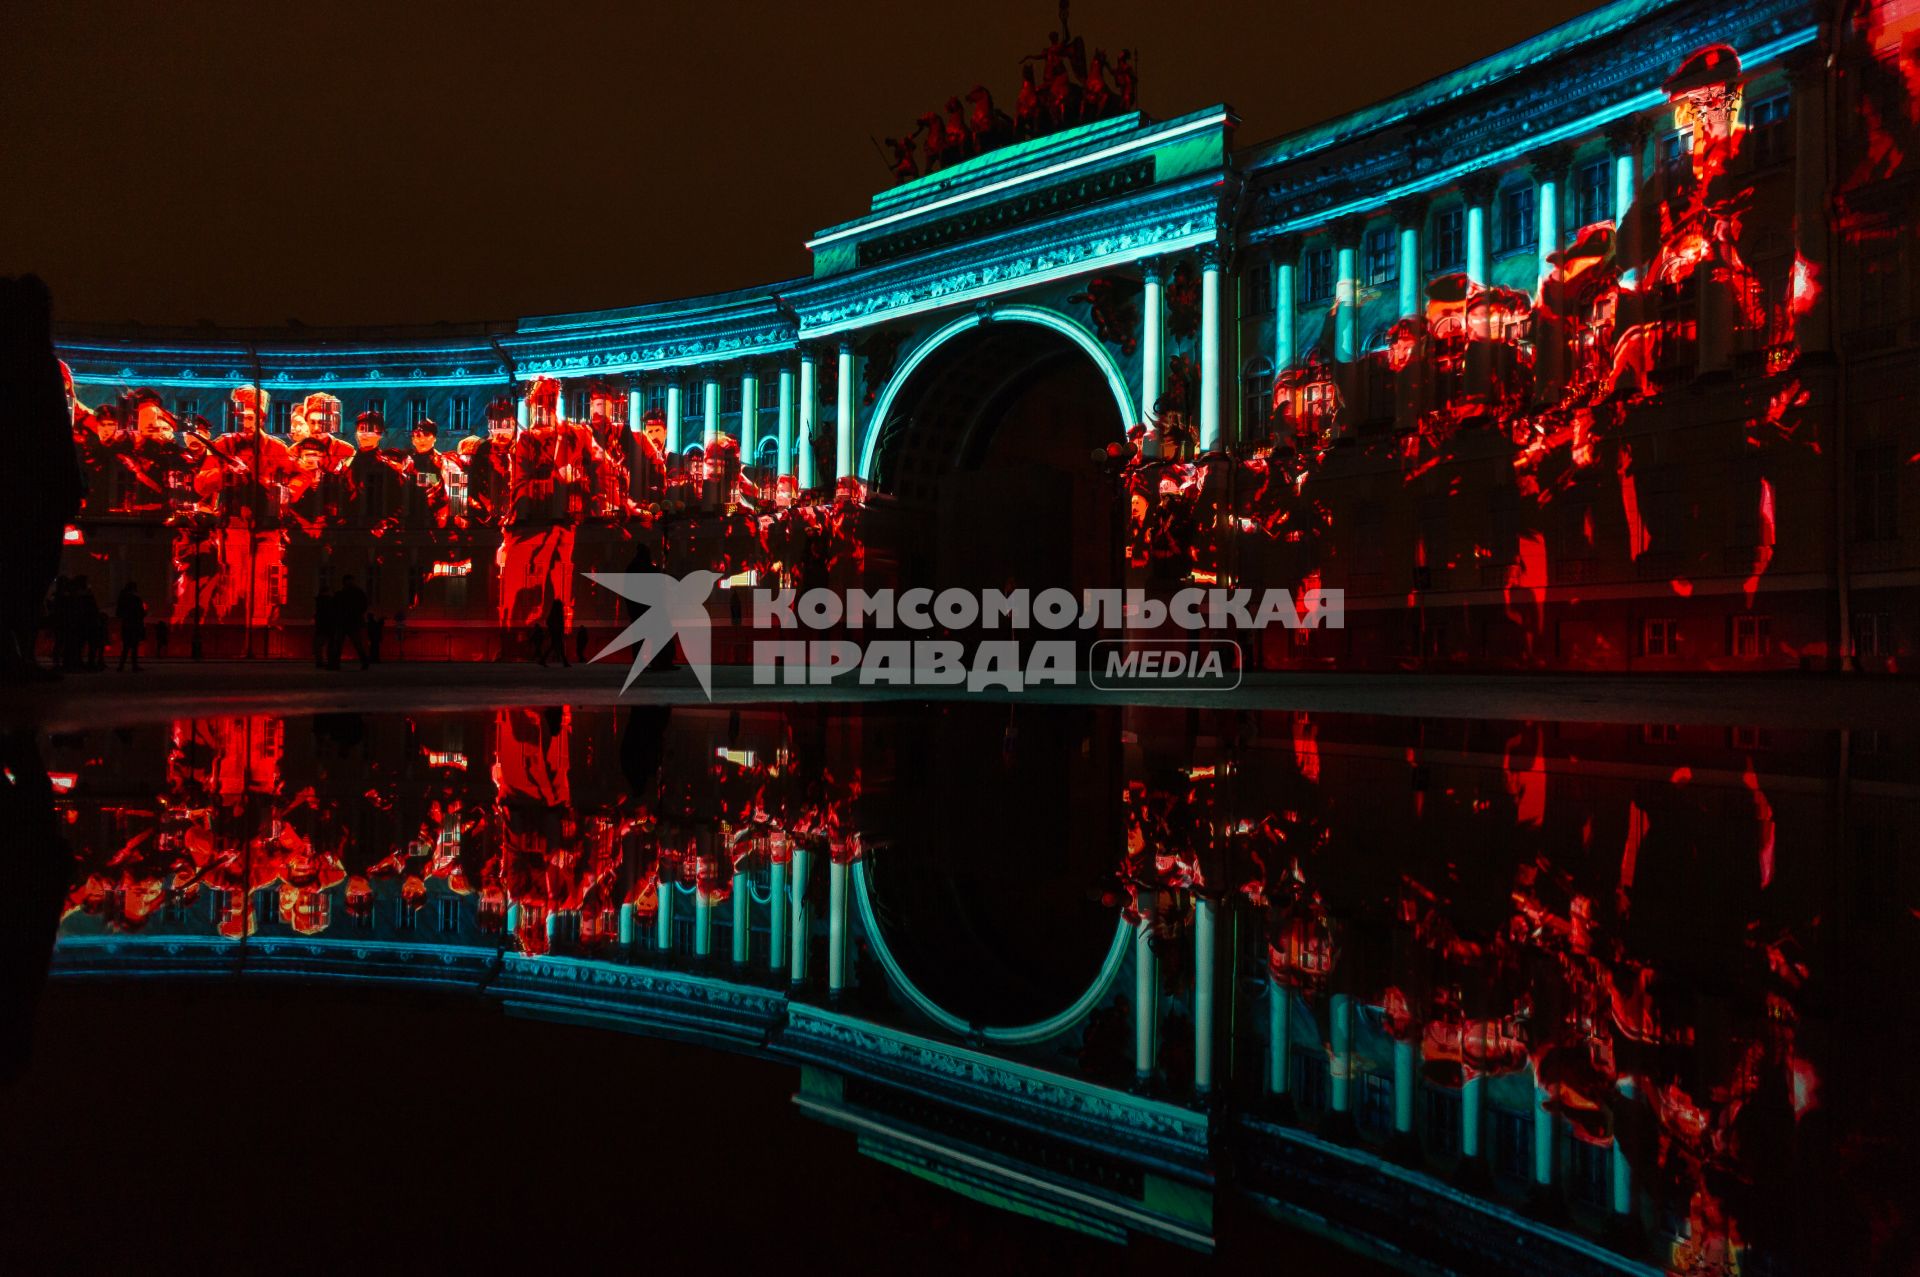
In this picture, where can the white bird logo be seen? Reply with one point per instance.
(672, 607)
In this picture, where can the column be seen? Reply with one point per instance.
(1405, 1058)
(1478, 190)
(797, 971)
(1470, 1099)
(809, 397)
(702, 923)
(1153, 324)
(710, 405)
(1340, 1053)
(1626, 138)
(742, 918)
(1542, 1138)
(1204, 942)
(1548, 167)
(836, 926)
(1146, 998)
(1410, 215)
(1279, 1037)
(521, 411)
(785, 428)
(777, 916)
(1209, 348)
(1286, 291)
(1622, 1173)
(636, 406)
(673, 418)
(749, 415)
(626, 925)
(1346, 298)
(843, 424)
(663, 919)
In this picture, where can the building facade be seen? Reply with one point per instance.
(1592, 355)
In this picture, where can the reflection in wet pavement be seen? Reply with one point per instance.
(1487, 996)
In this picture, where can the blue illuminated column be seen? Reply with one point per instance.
(1547, 168)
(1204, 943)
(1146, 996)
(836, 926)
(1626, 139)
(1153, 323)
(1622, 1173)
(1346, 302)
(809, 408)
(1411, 217)
(1471, 1095)
(749, 415)
(1477, 244)
(785, 429)
(844, 422)
(673, 417)
(1404, 1057)
(1209, 348)
(626, 924)
(1279, 1037)
(710, 409)
(1542, 1137)
(777, 914)
(1285, 290)
(702, 922)
(1340, 1053)
(802, 924)
(742, 918)
(636, 392)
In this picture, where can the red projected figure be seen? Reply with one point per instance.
(490, 467)
(319, 414)
(433, 474)
(555, 467)
(256, 465)
(650, 452)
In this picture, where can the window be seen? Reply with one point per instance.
(1876, 494)
(1676, 151)
(1873, 634)
(1660, 733)
(1383, 255)
(461, 414)
(1447, 246)
(1752, 636)
(1514, 227)
(657, 397)
(377, 403)
(1258, 283)
(1513, 1144)
(266, 907)
(446, 915)
(732, 394)
(1769, 137)
(184, 410)
(1376, 1093)
(1749, 738)
(1592, 1174)
(1590, 193)
(406, 916)
(1310, 1081)
(1442, 1122)
(282, 418)
(1256, 396)
(417, 409)
(1316, 275)
(1659, 636)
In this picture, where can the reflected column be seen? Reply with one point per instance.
(777, 903)
(1146, 996)
(1279, 1039)
(1204, 941)
(836, 926)
(802, 924)
(742, 918)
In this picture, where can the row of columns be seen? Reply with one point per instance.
(1153, 344)
(1406, 1063)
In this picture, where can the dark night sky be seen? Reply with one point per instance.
(366, 162)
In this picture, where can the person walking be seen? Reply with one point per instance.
(350, 622)
(131, 611)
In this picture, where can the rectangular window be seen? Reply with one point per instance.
(1513, 229)
(1592, 1177)
(446, 915)
(1769, 138)
(417, 409)
(657, 397)
(1310, 1081)
(1660, 636)
(1752, 636)
(282, 418)
(266, 907)
(1592, 193)
(461, 416)
(1447, 246)
(406, 916)
(576, 405)
(1749, 738)
(1660, 733)
(1376, 1093)
(1316, 275)
(1876, 494)
(1513, 1144)
(1259, 288)
(1676, 152)
(184, 410)
(1873, 633)
(1383, 255)
(377, 403)
(732, 394)
(1442, 1122)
